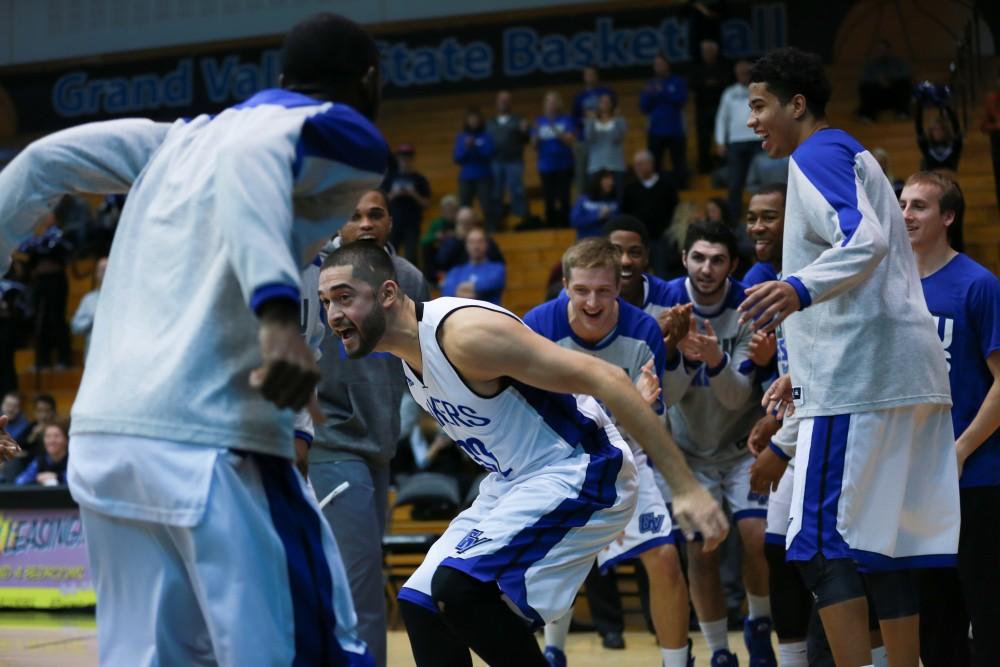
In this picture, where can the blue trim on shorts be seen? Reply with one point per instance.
(750, 514)
(311, 585)
(774, 538)
(413, 596)
(634, 552)
(869, 561)
(508, 565)
(821, 497)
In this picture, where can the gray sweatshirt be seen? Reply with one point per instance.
(361, 397)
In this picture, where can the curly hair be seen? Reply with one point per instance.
(789, 72)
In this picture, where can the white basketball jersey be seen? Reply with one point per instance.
(519, 430)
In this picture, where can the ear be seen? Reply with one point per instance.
(799, 107)
(388, 293)
(735, 265)
(281, 81)
(948, 218)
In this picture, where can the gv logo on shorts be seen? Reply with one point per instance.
(651, 523)
(474, 538)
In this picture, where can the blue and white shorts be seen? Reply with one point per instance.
(536, 536)
(651, 525)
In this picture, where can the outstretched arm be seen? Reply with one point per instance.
(486, 346)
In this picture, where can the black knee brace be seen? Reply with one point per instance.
(791, 601)
(832, 581)
(893, 594)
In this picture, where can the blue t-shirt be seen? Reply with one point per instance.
(553, 153)
(964, 299)
(489, 279)
(761, 272)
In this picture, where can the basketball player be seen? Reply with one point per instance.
(204, 546)
(713, 401)
(864, 499)
(591, 318)
(562, 482)
(964, 298)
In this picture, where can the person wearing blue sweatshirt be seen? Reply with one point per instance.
(596, 207)
(553, 138)
(48, 468)
(474, 152)
(663, 100)
(479, 278)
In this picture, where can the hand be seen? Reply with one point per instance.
(766, 472)
(777, 399)
(762, 348)
(675, 322)
(47, 479)
(302, 457)
(769, 304)
(962, 452)
(762, 432)
(694, 511)
(648, 384)
(9, 448)
(703, 346)
(466, 290)
(288, 373)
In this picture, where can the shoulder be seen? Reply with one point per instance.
(674, 292)
(737, 293)
(982, 283)
(544, 316)
(637, 323)
(338, 132)
(759, 273)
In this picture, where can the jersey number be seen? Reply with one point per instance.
(476, 449)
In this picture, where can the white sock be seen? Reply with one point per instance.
(556, 631)
(716, 634)
(760, 607)
(793, 654)
(674, 657)
(879, 657)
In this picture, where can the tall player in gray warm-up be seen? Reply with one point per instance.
(561, 483)
(359, 399)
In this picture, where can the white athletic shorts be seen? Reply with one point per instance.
(729, 484)
(650, 526)
(879, 487)
(778, 504)
(536, 536)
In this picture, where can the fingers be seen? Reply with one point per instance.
(709, 330)
(716, 529)
(3, 421)
(285, 384)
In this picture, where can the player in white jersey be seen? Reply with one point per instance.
(561, 484)
(964, 298)
(199, 530)
(590, 318)
(876, 486)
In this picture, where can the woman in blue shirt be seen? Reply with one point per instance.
(596, 207)
(474, 153)
(553, 138)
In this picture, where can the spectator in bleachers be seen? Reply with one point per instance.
(885, 85)
(474, 153)
(717, 210)
(453, 252)
(511, 133)
(881, 156)
(596, 206)
(672, 245)
(604, 137)
(17, 422)
(941, 145)
(736, 142)
(83, 319)
(48, 254)
(652, 198)
(14, 311)
(663, 99)
(33, 438)
(765, 170)
(991, 127)
(441, 229)
(585, 105)
(48, 466)
(409, 194)
(709, 79)
(479, 278)
(553, 138)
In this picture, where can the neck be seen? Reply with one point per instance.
(402, 337)
(931, 259)
(708, 300)
(809, 127)
(633, 294)
(587, 336)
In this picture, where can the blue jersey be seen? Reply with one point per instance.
(964, 299)
(761, 272)
(655, 295)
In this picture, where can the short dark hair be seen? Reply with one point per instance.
(789, 72)
(371, 264)
(375, 191)
(594, 192)
(773, 189)
(326, 50)
(951, 199)
(712, 231)
(47, 399)
(627, 223)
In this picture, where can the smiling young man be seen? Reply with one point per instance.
(964, 298)
(562, 481)
(591, 318)
(713, 401)
(871, 386)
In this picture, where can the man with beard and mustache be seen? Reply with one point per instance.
(713, 401)
(562, 482)
(359, 399)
